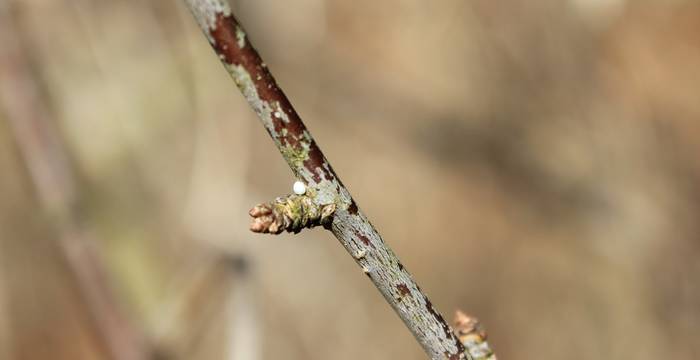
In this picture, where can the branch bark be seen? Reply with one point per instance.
(349, 224)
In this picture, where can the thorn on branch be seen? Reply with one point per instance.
(290, 213)
(473, 336)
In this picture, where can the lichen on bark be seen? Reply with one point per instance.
(290, 213)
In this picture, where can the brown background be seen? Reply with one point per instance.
(534, 163)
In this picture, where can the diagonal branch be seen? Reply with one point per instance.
(349, 224)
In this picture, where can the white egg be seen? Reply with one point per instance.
(299, 188)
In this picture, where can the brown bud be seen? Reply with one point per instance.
(473, 336)
(260, 210)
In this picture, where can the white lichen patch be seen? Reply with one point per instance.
(240, 37)
(280, 114)
(344, 197)
(326, 192)
(206, 12)
(246, 85)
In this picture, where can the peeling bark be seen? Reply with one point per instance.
(349, 224)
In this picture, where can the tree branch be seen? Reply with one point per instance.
(349, 224)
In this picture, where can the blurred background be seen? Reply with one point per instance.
(532, 163)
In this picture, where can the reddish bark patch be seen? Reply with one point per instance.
(315, 164)
(365, 240)
(403, 289)
(352, 209)
(227, 47)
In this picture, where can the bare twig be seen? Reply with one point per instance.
(243, 318)
(349, 224)
(50, 170)
(192, 309)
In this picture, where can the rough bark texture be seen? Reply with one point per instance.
(349, 224)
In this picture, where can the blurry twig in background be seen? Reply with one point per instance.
(308, 163)
(51, 172)
(5, 334)
(216, 282)
(193, 290)
(243, 319)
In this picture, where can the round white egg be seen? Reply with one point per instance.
(299, 188)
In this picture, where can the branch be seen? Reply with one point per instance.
(349, 224)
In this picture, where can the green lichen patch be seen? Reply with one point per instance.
(295, 156)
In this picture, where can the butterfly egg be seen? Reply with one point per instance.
(299, 188)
